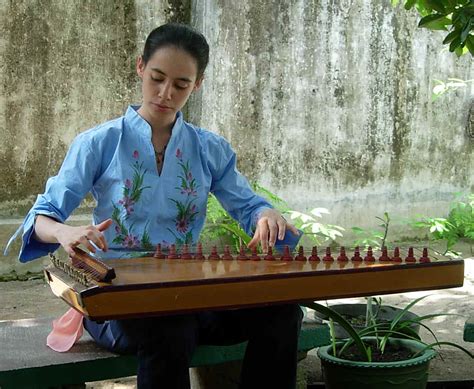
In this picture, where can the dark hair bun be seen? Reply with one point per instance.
(181, 36)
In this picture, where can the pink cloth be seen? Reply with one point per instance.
(66, 331)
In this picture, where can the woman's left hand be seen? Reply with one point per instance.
(270, 226)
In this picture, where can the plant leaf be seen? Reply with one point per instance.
(435, 22)
(404, 311)
(453, 34)
(409, 4)
(430, 346)
(343, 323)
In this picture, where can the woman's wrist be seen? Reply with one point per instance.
(47, 229)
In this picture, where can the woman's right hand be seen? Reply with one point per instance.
(49, 230)
(87, 236)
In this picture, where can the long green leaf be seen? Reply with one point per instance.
(404, 311)
(470, 44)
(237, 231)
(430, 346)
(343, 323)
(435, 22)
(453, 34)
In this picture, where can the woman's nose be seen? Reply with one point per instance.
(165, 91)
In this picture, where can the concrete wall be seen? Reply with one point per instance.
(329, 104)
(326, 102)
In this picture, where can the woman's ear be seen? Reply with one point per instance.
(140, 67)
(198, 83)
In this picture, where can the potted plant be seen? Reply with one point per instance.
(379, 356)
(361, 315)
(358, 314)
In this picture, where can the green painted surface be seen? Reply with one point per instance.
(312, 336)
(469, 330)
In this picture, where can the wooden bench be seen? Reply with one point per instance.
(469, 330)
(26, 361)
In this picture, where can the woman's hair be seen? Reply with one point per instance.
(181, 36)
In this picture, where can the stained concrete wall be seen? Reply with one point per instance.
(326, 102)
(329, 104)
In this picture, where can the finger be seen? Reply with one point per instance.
(70, 250)
(102, 243)
(263, 227)
(95, 235)
(104, 225)
(281, 228)
(273, 231)
(293, 229)
(255, 239)
(98, 239)
(89, 246)
(87, 239)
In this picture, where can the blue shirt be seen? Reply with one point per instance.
(115, 161)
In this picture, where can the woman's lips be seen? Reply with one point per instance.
(161, 107)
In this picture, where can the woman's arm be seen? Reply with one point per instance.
(63, 193)
(48, 230)
(254, 213)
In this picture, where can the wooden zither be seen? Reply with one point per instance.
(177, 281)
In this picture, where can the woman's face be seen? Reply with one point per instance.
(168, 79)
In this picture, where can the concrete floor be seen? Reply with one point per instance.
(33, 298)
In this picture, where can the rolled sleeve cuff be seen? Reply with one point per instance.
(30, 247)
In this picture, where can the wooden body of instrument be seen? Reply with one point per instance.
(150, 286)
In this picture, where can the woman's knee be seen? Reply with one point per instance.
(126, 336)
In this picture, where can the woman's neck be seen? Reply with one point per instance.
(160, 129)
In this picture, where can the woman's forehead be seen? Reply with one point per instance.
(173, 62)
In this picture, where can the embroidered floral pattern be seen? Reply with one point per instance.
(187, 210)
(132, 191)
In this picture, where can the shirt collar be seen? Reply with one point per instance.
(141, 126)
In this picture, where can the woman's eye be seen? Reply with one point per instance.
(181, 86)
(157, 79)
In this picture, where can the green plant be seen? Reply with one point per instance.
(399, 327)
(454, 16)
(373, 238)
(221, 227)
(452, 84)
(458, 224)
(316, 231)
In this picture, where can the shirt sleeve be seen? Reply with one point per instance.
(232, 189)
(62, 195)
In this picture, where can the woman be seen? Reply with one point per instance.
(150, 173)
